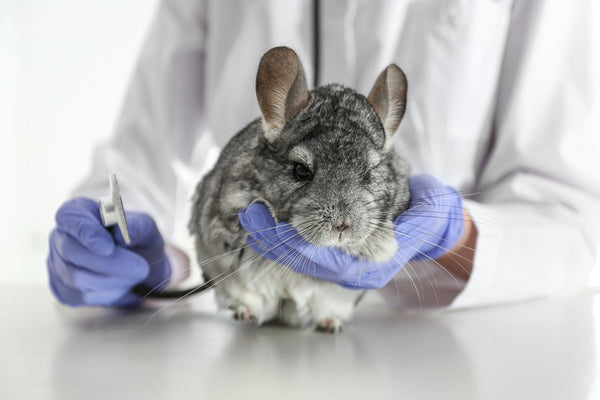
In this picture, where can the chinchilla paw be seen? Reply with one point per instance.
(329, 325)
(243, 313)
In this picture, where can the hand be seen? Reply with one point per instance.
(432, 226)
(89, 266)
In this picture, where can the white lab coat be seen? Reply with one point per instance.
(503, 104)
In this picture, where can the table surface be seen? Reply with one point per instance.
(544, 349)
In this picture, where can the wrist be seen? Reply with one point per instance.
(458, 262)
(180, 265)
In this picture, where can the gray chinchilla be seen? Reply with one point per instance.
(320, 159)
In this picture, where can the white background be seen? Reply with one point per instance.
(64, 67)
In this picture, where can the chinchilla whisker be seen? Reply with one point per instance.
(281, 273)
(309, 228)
(266, 269)
(452, 256)
(298, 263)
(418, 291)
(425, 230)
(226, 275)
(482, 219)
(430, 279)
(296, 236)
(359, 275)
(432, 234)
(429, 259)
(417, 229)
(293, 265)
(447, 250)
(370, 202)
(272, 228)
(209, 260)
(464, 193)
(216, 279)
(305, 268)
(155, 288)
(224, 254)
(423, 203)
(414, 278)
(433, 214)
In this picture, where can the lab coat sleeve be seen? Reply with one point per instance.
(538, 213)
(160, 118)
(537, 199)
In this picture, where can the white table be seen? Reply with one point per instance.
(546, 349)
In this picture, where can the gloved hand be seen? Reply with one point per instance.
(90, 266)
(432, 225)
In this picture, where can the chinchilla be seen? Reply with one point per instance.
(321, 160)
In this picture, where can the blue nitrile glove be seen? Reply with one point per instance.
(90, 266)
(431, 227)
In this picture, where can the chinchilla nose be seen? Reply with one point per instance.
(341, 226)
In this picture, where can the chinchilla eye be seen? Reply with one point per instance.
(367, 178)
(302, 173)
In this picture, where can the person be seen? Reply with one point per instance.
(502, 107)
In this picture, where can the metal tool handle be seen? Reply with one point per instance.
(111, 209)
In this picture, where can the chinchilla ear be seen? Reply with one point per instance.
(388, 98)
(280, 89)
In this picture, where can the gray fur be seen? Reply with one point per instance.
(357, 178)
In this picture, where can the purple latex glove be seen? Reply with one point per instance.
(89, 266)
(431, 227)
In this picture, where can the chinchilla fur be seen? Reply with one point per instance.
(343, 139)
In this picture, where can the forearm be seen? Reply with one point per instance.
(458, 262)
